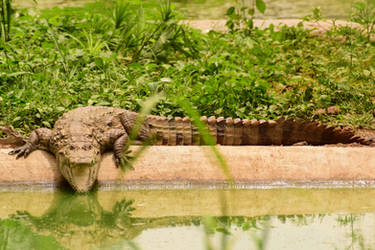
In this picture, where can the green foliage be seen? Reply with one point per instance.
(261, 6)
(315, 16)
(124, 54)
(17, 235)
(364, 14)
(242, 17)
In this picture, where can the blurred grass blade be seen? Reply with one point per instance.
(133, 245)
(203, 131)
(58, 47)
(5, 17)
(260, 242)
(166, 12)
(120, 14)
(146, 110)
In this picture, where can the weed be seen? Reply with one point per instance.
(125, 54)
(364, 14)
(242, 17)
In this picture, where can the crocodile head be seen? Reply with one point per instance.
(79, 164)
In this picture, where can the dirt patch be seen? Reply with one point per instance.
(219, 25)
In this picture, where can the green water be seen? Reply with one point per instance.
(215, 9)
(188, 219)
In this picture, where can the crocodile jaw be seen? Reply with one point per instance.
(81, 174)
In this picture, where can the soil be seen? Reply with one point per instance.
(219, 25)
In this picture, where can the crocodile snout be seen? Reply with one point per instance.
(80, 168)
(82, 179)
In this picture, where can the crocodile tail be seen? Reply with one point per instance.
(181, 131)
(229, 131)
(291, 131)
(173, 131)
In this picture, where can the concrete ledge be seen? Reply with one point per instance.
(194, 166)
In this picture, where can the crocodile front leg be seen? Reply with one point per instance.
(39, 137)
(121, 153)
(118, 138)
(128, 120)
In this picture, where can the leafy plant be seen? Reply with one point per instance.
(364, 14)
(242, 17)
(315, 16)
(94, 58)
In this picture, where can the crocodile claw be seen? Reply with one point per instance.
(22, 151)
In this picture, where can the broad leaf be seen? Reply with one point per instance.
(261, 5)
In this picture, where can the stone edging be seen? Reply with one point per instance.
(194, 166)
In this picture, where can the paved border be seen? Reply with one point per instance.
(194, 167)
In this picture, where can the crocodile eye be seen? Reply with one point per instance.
(150, 126)
(89, 147)
(71, 147)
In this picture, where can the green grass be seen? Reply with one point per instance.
(123, 54)
(102, 7)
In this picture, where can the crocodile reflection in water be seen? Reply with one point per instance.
(80, 218)
(73, 215)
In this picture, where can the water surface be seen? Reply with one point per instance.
(188, 219)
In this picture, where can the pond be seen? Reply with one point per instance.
(188, 219)
(215, 9)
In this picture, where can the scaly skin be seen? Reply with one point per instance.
(180, 131)
(80, 137)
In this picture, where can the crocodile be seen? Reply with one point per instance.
(80, 136)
